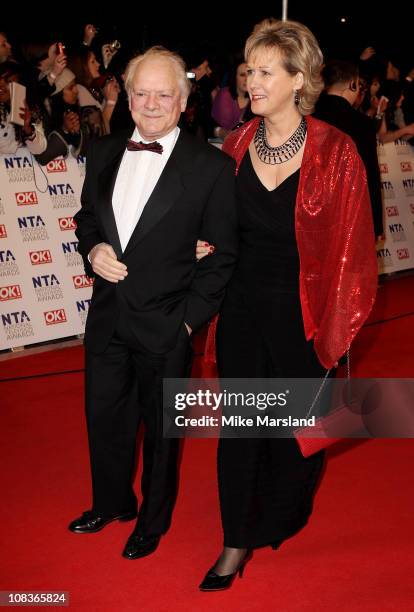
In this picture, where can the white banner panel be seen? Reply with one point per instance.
(44, 293)
(396, 161)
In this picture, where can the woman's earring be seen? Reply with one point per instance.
(297, 97)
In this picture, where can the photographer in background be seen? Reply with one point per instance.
(44, 63)
(72, 126)
(335, 106)
(98, 90)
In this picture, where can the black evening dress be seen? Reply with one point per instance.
(266, 487)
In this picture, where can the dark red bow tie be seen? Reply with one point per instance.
(155, 147)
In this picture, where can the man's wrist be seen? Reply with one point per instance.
(92, 250)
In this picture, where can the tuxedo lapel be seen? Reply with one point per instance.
(106, 184)
(166, 192)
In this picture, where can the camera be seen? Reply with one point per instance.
(115, 45)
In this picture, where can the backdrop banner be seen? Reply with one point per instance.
(396, 161)
(44, 292)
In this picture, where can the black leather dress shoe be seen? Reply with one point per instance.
(90, 522)
(139, 545)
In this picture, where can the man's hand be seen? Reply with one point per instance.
(104, 263)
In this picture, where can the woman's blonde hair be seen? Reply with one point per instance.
(159, 52)
(299, 51)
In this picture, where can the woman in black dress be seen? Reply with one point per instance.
(298, 180)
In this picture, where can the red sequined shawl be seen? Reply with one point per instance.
(335, 238)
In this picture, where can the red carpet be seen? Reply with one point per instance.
(355, 554)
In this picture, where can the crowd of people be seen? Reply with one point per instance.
(75, 95)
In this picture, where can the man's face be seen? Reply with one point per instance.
(156, 101)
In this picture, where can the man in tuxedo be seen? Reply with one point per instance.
(335, 106)
(145, 202)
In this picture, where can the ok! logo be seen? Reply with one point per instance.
(26, 198)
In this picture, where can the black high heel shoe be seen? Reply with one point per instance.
(214, 582)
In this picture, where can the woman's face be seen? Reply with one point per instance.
(70, 93)
(241, 79)
(93, 65)
(271, 88)
(5, 79)
(374, 87)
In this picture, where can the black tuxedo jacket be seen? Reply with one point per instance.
(194, 198)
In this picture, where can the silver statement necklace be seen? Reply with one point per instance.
(285, 151)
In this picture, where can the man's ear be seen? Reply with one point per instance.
(353, 85)
(183, 104)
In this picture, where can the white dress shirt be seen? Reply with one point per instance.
(138, 174)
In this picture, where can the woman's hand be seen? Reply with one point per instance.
(89, 34)
(367, 53)
(59, 64)
(26, 115)
(204, 248)
(111, 91)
